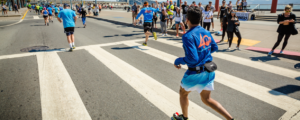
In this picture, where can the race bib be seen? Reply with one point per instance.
(171, 16)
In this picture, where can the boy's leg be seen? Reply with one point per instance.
(206, 99)
(184, 101)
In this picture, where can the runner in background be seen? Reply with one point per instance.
(56, 11)
(222, 11)
(28, 6)
(148, 16)
(68, 17)
(50, 12)
(41, 9)
(45, 15)
(100, 8)
(198, 52)
(83, 17)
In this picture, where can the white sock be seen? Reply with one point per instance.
(73, 43)
(70, 45)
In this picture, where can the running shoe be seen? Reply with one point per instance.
(281, 52)
(177, 35)
(221, 41)
(237, 48)
(154, 35)
(145, 44)
(270, 53)
(74, 47)
(47, 24)
(213, 29)
(166, 34)
(71, 49)
(228, 48)
(178, 117)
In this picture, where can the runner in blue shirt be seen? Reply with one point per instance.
(61, 8)
(68, 17)
(148, 16)
(50, 10)
(198, 45)
(45, 15)
(56, 11)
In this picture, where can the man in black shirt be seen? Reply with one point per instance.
(83, 13)
(222, 11)
(184, 8)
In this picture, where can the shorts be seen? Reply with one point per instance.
(99, 9)
(56, 12)
(69, 30)
(184, 17)
(147, 26)
(221, 19)
(134, 14)
(177, 22)
(171, 17)
(45, 16)
(4, 9)
(212, 20)
(50, 14)
(192, 81)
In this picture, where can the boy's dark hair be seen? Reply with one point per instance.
(194, 14)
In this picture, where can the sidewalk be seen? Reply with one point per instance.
(13, 14)
(260, 35)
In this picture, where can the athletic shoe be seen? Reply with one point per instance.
(270, 53)
(145, 44)
(177, 35)
(281, 52)
(213, 29)
(74, 47)
(162, 34)
(70, 50)
(237, 48)
(154, 35)
(166, 34)
(228, 48)
(221, 41)
(178, 117)
(47, 24)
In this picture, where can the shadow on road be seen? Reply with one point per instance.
(41, 49)
(264, 58)
(125, 35)
(297, 66)
(127, 48)
(288, 89)
(37, 25)
(225, 50)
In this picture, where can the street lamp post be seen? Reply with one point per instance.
(71, 4)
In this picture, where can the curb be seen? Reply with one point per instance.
(10, 15)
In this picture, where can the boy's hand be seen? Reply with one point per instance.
(177, 66)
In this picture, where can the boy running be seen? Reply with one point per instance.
(68, 17)
(198, 45)
(83, 16)
(56, 11)
(50, 10)
(148, 16)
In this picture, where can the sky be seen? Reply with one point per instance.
(249, 1)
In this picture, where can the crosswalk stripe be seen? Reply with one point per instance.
(277, 99)
(16, 55)
(36, 17)
(158, 94)
(59, 97)
(254, 64)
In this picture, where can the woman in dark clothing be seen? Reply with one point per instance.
(224, 23)
(286, 28)
(232, 27)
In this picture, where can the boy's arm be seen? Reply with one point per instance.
(190, 49)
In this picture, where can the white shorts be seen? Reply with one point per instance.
(199, 82)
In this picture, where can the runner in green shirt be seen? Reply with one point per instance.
(29, 7)
(41, 8)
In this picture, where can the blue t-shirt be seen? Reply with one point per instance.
(61, 8)
(147, 13)
(49, 10)
(33, 7)
(67, 16)
(198, 44)
(56, 10)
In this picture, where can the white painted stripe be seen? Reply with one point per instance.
(16, 55)
(161, 96)
(59, 97)
(12, 23)
(36, 17)
(247, 62)
(66, 49)
(277, 99)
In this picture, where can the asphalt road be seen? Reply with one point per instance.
(112, 77)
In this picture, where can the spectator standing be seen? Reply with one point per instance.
(4, 9)
(207, 17)
(286, 28)
(222, 11)
(212, 10)
(233, 23)
(184, 8)
(230, 5)
(202, 9)
(163, 24)
(16, 8)
(134, 12)
(245, 5)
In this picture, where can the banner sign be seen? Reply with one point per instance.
(243, 16)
